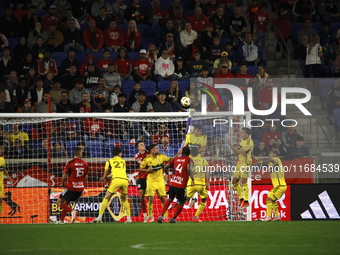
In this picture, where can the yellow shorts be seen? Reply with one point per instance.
(242, 170)
(1, 191)
(277, 192)
(157, 186)
(121, 184)
(200, 189)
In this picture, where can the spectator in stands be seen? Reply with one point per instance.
(55, 39)
(278, 144)
(262, 19)
(142, 67)
(112, 78)
(9, 24)
(37, 92)
(83, 68)
(122, 105)
(41, 152)
(85, 105)
(38, 49)
(18, 134)
(196, 65)
(215, 51)
(134, 93)
(123, 65)
(270, 136)
(141, 104)
(205, 77)
(168, 29)
(174, 95)
(40, 4)
(28, 20)
(75, 95)
(133, 37)
(31, 77)
(260, 78)
(152, 53)
(330, 11)
(93, 128)
(303, 9)
(326, 40)
(103, 64)
(47, 64)
(42, 107)
(162, 105)
(261, 150)
(154, 10)
(237, 27)
(65, 104)
(307, 30)
(18, 150)
(299, 150)
(136, 11)
(85, 154)
(21, 50)
(100, 95)
(51, 17)
(224, 73)
(171, 47)
(165, 148)
(68, 15)
(187, 37)
(217, 148)
(333, 101)
(3, 41)
(27, 63)
(103, 19)
(93, 38)
(164, 67)
(162, 131)
(12, 82)
(27, 107)
(91, 76)
(207, 36)
(251, 11)
(56, 92)
(67, 62)
(176, 12)
(114, 95)
(73, 38)
(290, 136)
(219, 22)
(198, 20)
(301, 53)
(62, 6)
(21, 92)
(284, 26)
(181, 72)
(59, 150)
(243, 72)
(118, 9)
(97, 5)
(265, 96)
(313, 58)
(113, 37)
(229, 48)
(249, 52)
(218, 63)
(195, 96)
(48, 81)
(6, 63)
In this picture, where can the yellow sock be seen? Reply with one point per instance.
(199, 209)
(103, 206)
(238, 189)
(275, 208)
(269, 208)
(245, 191)
(127, 207)
(150, 208)
(166, 212)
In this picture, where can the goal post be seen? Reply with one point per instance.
(36, 164)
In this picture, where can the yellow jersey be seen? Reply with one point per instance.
(23, 136)
(117, 166)
(247, 146)
(277, 174)
(196, 141)
(2, 170)
(157, 163)
(199, 170)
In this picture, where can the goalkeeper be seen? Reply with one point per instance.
(154, 163)
(278, 181)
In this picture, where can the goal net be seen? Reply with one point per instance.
(37, 148)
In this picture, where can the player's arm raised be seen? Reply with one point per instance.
(236, 150)
(8, 176)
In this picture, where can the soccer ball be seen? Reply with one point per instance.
(185, 101)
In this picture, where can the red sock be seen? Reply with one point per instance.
(179, 208)
(166, 206)
(143, 204)
(65, 210)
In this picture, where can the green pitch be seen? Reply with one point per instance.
(208, 238)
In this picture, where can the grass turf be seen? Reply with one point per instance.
(208, 238)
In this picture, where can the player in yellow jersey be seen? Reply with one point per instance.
(243, 166)
(196, 139)
(3, 172)
(200, 183)
(120, 181)
(154, 163)
(279, 184)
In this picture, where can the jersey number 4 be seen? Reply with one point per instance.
(179, 168)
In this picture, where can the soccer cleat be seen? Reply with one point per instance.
(268, 218)
(59, 222)
(197, 220)
(149, 220)
(160, 219)
(97, 220)
(128, 220)
(193, 201)
(277, 218)
(172, 220)
(244, 205)
(145, 218)
(74, 214)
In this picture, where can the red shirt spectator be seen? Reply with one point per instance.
(113, 37)
(93, 37)
(224, 72)
(51, 17)
(133, 37)
(269, 136)
(198, 21)
(93, 125)
(266, 93)
(83, 68)
(262, 19)
(123, 66)
(252, 9)
(47, 65)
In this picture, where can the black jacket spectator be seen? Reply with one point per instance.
(9, 25)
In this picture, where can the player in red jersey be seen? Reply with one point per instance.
(141, 177)
(178, 183)
(76, 169)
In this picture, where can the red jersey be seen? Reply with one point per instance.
(140, 156)
(104, 64)
(77, 170)
(262, 19)
(157, 137)
(123, 65)
(142, 66)
(180, 177)
(247, 75)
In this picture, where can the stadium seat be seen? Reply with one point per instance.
(183, 86)
(95, 148)
(295, 30)
(334, 27)
(70, 145)
(83, 27)
(147, 41)
(324, 88)
(155, 30)
(97, 55)
(133, 55)
(224, 41)
(148, 84)
(163, 85)
(144, 29)
(123, 27)
(252, 70)
(80, 56)
(317, 26)
(13, 41)
(58, 57)
(41, 13)
(110, 144)
(113, 56)
(127, 87)
(337, 120)
(188, 13)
